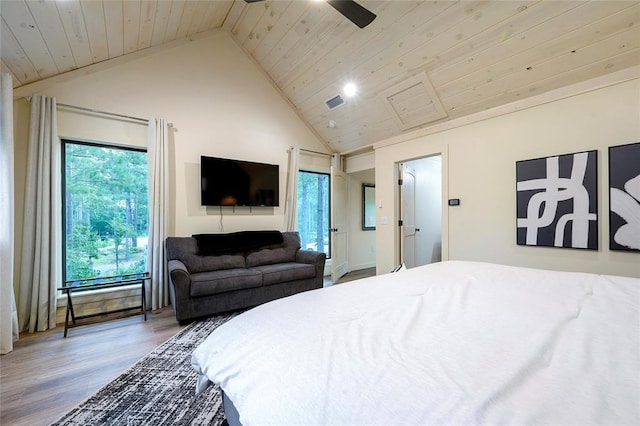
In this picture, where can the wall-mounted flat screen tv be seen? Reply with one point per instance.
(227, 182)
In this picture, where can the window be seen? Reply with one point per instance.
(313, 211)
(105, 218)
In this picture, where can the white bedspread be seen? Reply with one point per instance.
(454, 343)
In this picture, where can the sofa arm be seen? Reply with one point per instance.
(309, 256)
(315, 258)
(179, 274)
(179, 282)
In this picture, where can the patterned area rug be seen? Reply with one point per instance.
(158, 389)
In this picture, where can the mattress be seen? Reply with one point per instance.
(449, 343)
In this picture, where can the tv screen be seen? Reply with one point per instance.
(226, 182)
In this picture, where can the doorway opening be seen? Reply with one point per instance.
(313, 211)
(420, 205)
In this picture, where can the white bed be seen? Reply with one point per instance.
(449, 343)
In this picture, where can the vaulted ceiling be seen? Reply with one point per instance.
(418, 63)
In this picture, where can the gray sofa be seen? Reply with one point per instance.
(213, 273)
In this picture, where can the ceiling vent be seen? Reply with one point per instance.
(334, 102)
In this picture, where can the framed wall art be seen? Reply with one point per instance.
(556, 199)
(624, 197)
(368, 207)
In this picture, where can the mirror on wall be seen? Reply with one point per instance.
(368, 207)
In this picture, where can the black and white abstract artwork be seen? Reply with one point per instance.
(624, 197)
(556, 200)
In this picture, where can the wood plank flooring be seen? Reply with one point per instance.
(353, 275)
(46, 375)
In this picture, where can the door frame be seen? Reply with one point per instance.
(398, 229)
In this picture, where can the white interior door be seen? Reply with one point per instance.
(339, 220)
(429, 210)
(421, 211)
(408, 217)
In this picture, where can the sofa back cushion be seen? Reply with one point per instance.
(236, 242)
(185, 249)
(271, 255)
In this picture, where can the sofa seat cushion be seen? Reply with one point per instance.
(283, 272)
(207, 283)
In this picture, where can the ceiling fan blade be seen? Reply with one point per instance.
(357, 14)
(353, 12)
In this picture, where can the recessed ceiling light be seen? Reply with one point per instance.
(350, 89)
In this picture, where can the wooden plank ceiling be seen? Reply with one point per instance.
(418, 63)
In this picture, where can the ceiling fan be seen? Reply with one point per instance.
(357, 14)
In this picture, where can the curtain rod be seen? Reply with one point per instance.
(112, 114)
(316, 152)
(95, 111)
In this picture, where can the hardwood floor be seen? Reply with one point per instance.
(353, 275)
(46, 375)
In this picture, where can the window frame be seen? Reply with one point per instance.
(64, 141)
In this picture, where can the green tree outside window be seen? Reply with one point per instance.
(105, 197)
(313, 211)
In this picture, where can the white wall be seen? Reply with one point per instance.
(220, 104)
(479, 168)
(362, 244)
